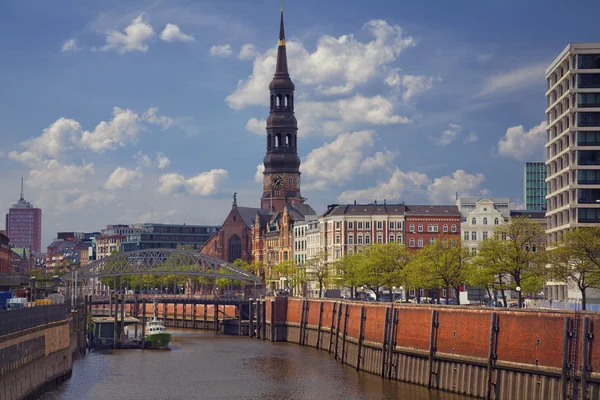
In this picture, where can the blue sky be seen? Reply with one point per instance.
(111, 108)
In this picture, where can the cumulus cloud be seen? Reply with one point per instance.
(258, 175)
(172, 33)
(449, 135)
(523, 145)
(415, 85)
(380, 160)
(53, 174)
(393, 78)
(123, 177)
(69, 45)
(257, 126)
(221, 51)
(344, 61)
(519, 78)
(203, 184)
(247, 52)
(151, 117)
(122, 129)
(133, 38)
(472, 138)
(415, 184)
(161, 161)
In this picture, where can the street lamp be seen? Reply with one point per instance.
(393, 292)
(402, 296)
(518, 289)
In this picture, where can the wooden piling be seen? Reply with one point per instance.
(432, 346)
(585, 341)
(273, 321)
(264, 319)
(122, 325)
(319, 325)
(239, 310)
(205, 317)
(361, 328)
(250, 318)
(115, 322)
(385, 341)
(143, 323)
(345, 332)
(337, 331)
(491, 354)
(331, 326)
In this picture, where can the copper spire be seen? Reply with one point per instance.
(282, 67)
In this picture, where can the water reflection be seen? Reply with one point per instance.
(204, 366)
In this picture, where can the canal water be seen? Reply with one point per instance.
(201, 365)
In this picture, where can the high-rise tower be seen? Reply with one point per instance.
(24, 224)
(281, 183)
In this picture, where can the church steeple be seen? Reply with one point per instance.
(282, 175)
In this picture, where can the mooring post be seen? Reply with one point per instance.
(585, 350)
(264, 319)
(122, 327)
(347, 312)
(143, 322)
(216, 312)
(319, 324)
(273, 338)
(492, 354)
(184, 321)
(385, 340)
(337, 331)
(302, 316)
(361, 328)
(565, 357)
(251, 318)
(392, 340)
(205, 317)
(331, 326)
(165, 313)
(115, 322)
(239, 311)
(110, 304)
(432, 346)
(174, 314)
(258, 318)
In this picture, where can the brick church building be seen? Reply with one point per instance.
(281, 203)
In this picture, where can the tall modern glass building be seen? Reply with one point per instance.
(573, 139)
(535, 186)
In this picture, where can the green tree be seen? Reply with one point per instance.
(319, 269)
(576, 258)
(347, 272)
(293, 275)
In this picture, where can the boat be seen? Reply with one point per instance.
(156, 337)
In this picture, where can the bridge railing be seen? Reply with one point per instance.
(24, 318)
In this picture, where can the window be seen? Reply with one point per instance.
(496, 221)
(337, 239)
(588, 215)
(474, 251)
(411, 292)
(431, 241)
(290, 181)
(411, 243)
(588, 118)
(399, 239)
(350, 225)
(453, 242)
(412, 227)
(379, 238)
(466, 234)
(350, 239)
(420, 242)
(588, 81)
(588, 157)
(367, 239)
(473, 235)
(368, 225)
(435, 227)
(591, 138)
(398, 225)
(391, 239)
(485, 235)
(235, 248)
(588, 177)
(585, 100)
(379, 225)
(359, 224)
(588, 196)
(445, 228)
(588, 61)
(473, 221)
(533, 248)
(277, 193)
(485, 221)
(420, 228)
(453, 228)
(429, 228)
(391, 224)
(359, 239)
(337, 224)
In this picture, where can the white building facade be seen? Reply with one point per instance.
(479, 223)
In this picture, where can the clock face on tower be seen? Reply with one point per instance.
(277, 182)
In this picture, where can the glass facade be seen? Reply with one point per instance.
(535, 185)
(591, 138)
(163, 236)
(588, 61)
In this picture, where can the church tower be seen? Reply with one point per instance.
(281, 183)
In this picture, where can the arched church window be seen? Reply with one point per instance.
(287, 100)
(278, 140)
(278, 100)
(288, 140)
(235, 248)
(290, 181)
(269, 138)
(272, 101)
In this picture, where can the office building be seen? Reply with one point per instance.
(165, 236)
(535, 186)
(24, 225)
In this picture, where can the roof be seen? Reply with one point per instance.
(531, 214)
(433, 210)
(66, 244)
(364, 209)
(248, 214)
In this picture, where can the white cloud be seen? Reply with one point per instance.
(515, 79)
(415, 184)
(334, 162)
(162, 160)
(203, 184)
(247, 52)
(335, 90)
(449, 135)
(142, 159)
(258, 175)
(69, 45)
(151, 117)
(415, 85)
(257, 126)
(472, 138)
(122, 129)
(221, 51)
(53, 174)
(59, 137)
(522, 145)
(172, 33)
(393, 78)
(123, 177)
(344, 62)
(381, 159)
(133, 38)
(484, 57)
(444, 189)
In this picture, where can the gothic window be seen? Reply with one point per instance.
(278, 140)
(279, 100)
(235, 248)
(288, 140)
(290, 181)
(287, 100)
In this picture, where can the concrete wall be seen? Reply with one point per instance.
(502, 354)
(36, 358)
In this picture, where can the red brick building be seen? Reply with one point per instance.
(423, 224)
(233, 240)
(5, 254)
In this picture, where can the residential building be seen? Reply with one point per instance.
(108, 244)
(345, 229)
(23, 260)
(573, 139)
(64, 255)
(468, 204)
(5, 254)
(535, 185)
(307, 245)
(425, 224)
(478, 224)
(167, 236)
(24, 224)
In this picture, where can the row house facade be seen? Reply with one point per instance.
(107, 244)
(424, 224)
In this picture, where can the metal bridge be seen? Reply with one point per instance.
(155, 262)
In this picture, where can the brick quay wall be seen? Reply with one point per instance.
(480, 352)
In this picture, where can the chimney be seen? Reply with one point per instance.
(384, 201)
(354, 202)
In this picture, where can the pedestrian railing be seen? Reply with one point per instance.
(19, 319)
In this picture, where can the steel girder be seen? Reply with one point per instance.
(160, 262)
